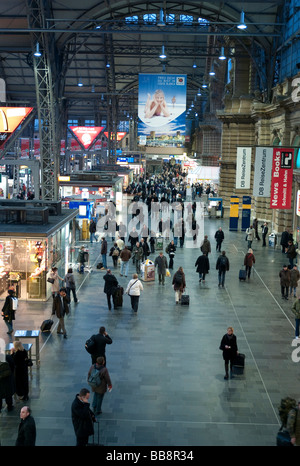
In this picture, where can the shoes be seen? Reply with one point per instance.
(297, 338)
(121, 275)
(219, 285)
(59, 333)
(76, 302)
(226, 377)
(8, 333)
(200, 280)
(176, 302)
(65, 335)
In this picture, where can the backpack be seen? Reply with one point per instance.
(223, 262)
(94, 380)
(14, 304)
(90, 345)
(286, 405)
(178, 278)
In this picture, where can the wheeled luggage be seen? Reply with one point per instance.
(93, 443)
(100, 265)
(242, 275)
(118, 297)
(47, 325)
(238, 364)
(185, 300)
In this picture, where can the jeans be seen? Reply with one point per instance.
(291, 261)
(297, 322)
(108, 295)
(9, 325)
(104, 261)
(97, 402)
(74, 293)
(92, 236)
(134, 302)
(291, 290)
(222, 277)
(202, 276)
(124, 265)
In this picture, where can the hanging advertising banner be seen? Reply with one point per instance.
(24, 147)
(36, 147)
(243, 168)
(86, 135)
(161, 109)
(120, 135)
(262, 171)
(298, 203)
(282, 178)
(10, 120)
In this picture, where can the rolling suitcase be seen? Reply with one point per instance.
(118, 297)
(242, 275)
(47, 325)
(185, 300)
(94, 443)
(238, 364)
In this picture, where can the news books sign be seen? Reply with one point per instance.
(262, 171)
(243, 168)
(282, 178)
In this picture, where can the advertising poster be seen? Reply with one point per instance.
(161, 109)
(10, 120)
(86, 135)
(262, 171)
(243, 168)
(282, 178)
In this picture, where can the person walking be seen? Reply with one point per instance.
(114, 253)
(222, 266)
(171, 249)
(100, 341)
(230, 350)
(60, 308)
(27, 429)
(219, 237)
(71, 285)
(284, 241)
(179, 284)
(291, 253)
(205, 247)
(54, 277)
(81, 259)
(296, 312)
(249, 260)
(255, 227)
(92, 229)
(137, 254)
(110, 286)
(8, 311)
(285, 279)
(249, 236)
(264, 230)
(7, 384)
(103, 252)
(162, 265)
(133, 290)
(20, 357)
(125, 258)
(83, 417)
(104, 382)
(293, 425)
(202, 264)
(294, 276)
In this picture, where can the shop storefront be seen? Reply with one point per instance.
(27, 254)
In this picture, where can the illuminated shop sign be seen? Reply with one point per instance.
(10, 120)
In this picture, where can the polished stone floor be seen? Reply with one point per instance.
(165, 364)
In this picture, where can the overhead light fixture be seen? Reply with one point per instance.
(98, 26)
(212, 72)
(161, 21)
(204, 85)
(222, 54)
(102, 97)
(37, 52)
(199, 92)
(163, 55)
(194, 65)
(80, 83)
(242, 24)
(93, 88)
(107, 65)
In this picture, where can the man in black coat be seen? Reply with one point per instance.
(61, 308)
(7, 386)
(219, 237)
(101, 340)
(110, 286)
(265, 230)
(82, 417)
(27, 430)
(202, 264)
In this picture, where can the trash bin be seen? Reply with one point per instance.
(148, 271)
(272, 240)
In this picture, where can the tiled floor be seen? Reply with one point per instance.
(165, 363)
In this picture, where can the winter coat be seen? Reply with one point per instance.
(70, 281)
(205, 248)
(26, 433)
(202, 264)
(57, 308)
(7, 312)
(296, 309)
(7, 386)
(249, 234)
(285, 277)
(21, 372)
(179, 281)
(92, 227)
(82, 418)
(295, 275)
(125, 255)
(229, 353)
(55, 287)
(134, 287)
(219, 236)
(103, 247)
(110, 283)
(291, 252)
(162, 265)
(138, 253)
(171, 249)
(249, 259)
(105, 379)
(100, 341)
(219, 265)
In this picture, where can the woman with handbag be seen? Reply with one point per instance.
(21, 362)
(54, 280)
(134, 289)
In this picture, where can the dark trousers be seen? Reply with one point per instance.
(248, 271)
(284, 291)
(171, 263)
(134, 302)
(74, 294)
(82, 441)
(108, 296)
(218, 247)
(264, 240)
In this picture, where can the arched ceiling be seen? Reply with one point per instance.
(90, 34)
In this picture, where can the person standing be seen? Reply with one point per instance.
(162, 265)
(134, 289)
(249, 261)
(249, 236)
(146, 249)
(20, 356)
(137, 254)
(171, 249)
(202, 264)
(293, 425)
(205, 247)
(265, 230)
(284, 242)
(291, 253)
(92, 229)
(53, 275)
(60, 308)
(179, 284)
(295, 275)
(104, 252)
(110, 286)
(255, 227)
(105, 382)
(114, 253)
(27, 429)
(285, 279)
(8, 313)
(71, 285)
(82, 417)
(125, 257)
(219, 237)
(230, 350)
(100, 341)
(296, 312)
(222, 266)
(7, 385)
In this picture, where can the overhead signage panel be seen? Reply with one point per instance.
(86, 135)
